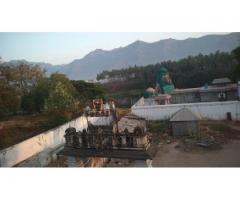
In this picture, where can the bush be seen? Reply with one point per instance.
(9, 100)
(34, 101)
(56, 119)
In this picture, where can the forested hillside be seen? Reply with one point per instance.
(193, 71)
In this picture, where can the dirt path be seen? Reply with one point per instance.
(169, 156)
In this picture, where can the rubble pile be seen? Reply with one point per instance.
(220, 133)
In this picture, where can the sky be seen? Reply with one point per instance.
(64, 47)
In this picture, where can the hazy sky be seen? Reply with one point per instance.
(61, 48)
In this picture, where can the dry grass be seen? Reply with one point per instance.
(18, 128)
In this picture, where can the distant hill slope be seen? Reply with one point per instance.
(143, 53)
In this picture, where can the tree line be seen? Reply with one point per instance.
(25, 88)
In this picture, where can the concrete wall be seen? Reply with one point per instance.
(45, 141)
(211, 110)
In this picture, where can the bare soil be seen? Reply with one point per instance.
(170, 156)
(184, 151)
(15, 129)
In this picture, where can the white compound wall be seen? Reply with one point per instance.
(208, 110)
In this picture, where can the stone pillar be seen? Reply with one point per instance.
(90, 138)
(134, 141)
(149, 162)
(139, 141)
(124, 143)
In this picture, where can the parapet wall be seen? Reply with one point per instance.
(210, 110)
(51, 139)
(45, 144)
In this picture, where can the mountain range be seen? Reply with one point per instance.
(142, 53)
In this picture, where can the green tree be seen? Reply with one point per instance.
(61, 103)
(236, 54)
(25, 76)
(54, 96)
(88, 91)
(34, 101)
(9, 100)
(60, 98)
(9, 96)
(16, 81)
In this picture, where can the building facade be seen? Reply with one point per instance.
(220, 90)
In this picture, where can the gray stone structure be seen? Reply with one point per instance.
(185, 122)
(222, 89)
(224, 93)
(190, 95)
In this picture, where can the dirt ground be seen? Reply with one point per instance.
(185, 151)
(15, 129)
(169, 156)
